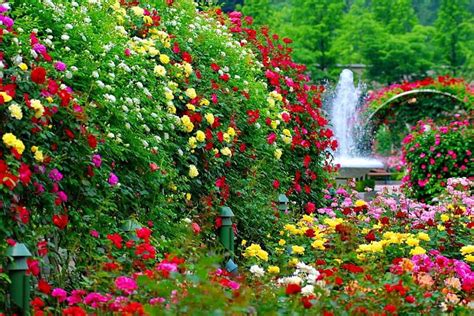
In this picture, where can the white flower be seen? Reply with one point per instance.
(68, 26)
(65, 37)
(307, 290)
(95, 74)
(290, 280)
(257, 271)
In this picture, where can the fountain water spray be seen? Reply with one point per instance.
(345, 121)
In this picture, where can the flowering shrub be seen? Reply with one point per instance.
(433, 154)
(455, 86)
(392, 255)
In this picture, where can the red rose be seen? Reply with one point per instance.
(60, 220)
(44, 287)
(292, 289)
(92, 141)
(390, 308)
(38, 75)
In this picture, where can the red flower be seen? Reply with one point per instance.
(310, 208)
(25, 174)
(271, 138)
(92, 141)
(42, 248)
(276, 184)
(60, 220)
(33, 266)
(116, 239)
(390, 308)
(38, 75)
(196, 228)
(215, 67)
(144, 233)
(410, 299)
(74, 311)
(292, 289)
(43, 286)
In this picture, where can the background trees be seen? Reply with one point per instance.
(394, 39)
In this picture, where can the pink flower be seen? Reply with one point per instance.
(157, 300)
(94, 233)
(97, 160)
(126, 284)
(271, 138)
(422, 183)
(196, 228)
(59, 294)
(60, 66)
(113, 179)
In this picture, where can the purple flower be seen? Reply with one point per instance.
(55, 175)
(97, 160)
(39, 48)
(59, 294)
(7, 21)
(113, 179)
(60, 66)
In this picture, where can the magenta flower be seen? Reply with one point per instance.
(113, 179)
(60, 66)
(59, 294)
(126, 284)
(55, 175)
(97, 160)
(62, 196)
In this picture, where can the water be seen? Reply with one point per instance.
(346, 125)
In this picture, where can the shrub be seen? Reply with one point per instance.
(433, 154)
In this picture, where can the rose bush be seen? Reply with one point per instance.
(432, 154)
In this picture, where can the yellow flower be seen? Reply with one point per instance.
(319, 244)
(200, 136)
(15, 111)
(333, 222)
(444, 217)
(193, 172)
(271, 102)
(19, 146)
(147, 19)
(192, 142)
(273, 269)
(297, 250)
(293, 262)
(423, 236)
(441, 227)
(226, 137)
(190, 107)
(164, 59)
(467, 249)
(209, 118)
(34, 149)
(38, 107)
(191, 93)
(244, 242)
(9, 139)
(188, 196)
(226, 151)
(254, 250)
(262, 254)
(188, 69)
(23, 66)
(278, 152)
(231, 131)
(171, 109)
(186, 122)
(5, 96)
(360, 203)
(137, 11)
(204, 102)
(287, 132)
(159, 71)
(39, 156)
(282, 242)
(274, 124)
(412, 241)
(417, 251)
(469, 258)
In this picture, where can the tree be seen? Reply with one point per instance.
(314, 24)
(260, 10)
(454, 34)
(397, 15)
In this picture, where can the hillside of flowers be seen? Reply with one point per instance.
(127, 125)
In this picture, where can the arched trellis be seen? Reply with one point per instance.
(405, 95)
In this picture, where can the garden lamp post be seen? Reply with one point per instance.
(283, 203)
(19, 288)
(130, 227)
(226, 236)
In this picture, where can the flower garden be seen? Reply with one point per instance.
(128, 127)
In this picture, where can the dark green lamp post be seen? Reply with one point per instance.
(283, 203)
(226, 236)
(20, 282)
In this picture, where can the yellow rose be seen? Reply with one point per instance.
(231, 131)
(193, 172)
(5, 96)
(423, 236)
(23, 66)
(297, 250)
(191, 93)
(412, 241)
(417, 251)
(9, 139)
(200, 136)
(273, 269)
(467, 249)
(209, 118)
(226, 151)
(39, 156)
(159, 71)
(137, 11)
(147, 19)
(192, 142)
(164, 59)
(190, 107)
(204, 102)
(38, 107)
(444, 217)
(360, 203)
(15, 111)
(278, 152)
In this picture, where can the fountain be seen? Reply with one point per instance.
(344, 118)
